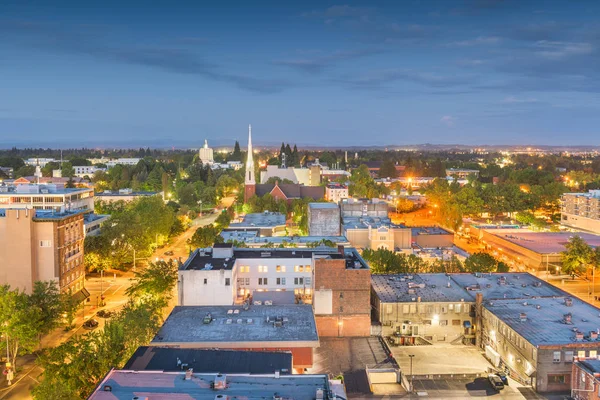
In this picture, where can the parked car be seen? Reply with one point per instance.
(503, 377)
(105, 314)
(496, 381)
(169, 253)
(90, 324)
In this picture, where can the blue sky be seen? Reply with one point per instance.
(160, 73)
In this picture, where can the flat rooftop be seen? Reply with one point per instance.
(366, 222)
(545, 325)
(153, 358)
(509, 285)
(202, 259)
(232, 326)
(543, 242)
(429, 230)
(253, 237)
(329, 206)
(260, 220)
(126, 385)
(116, 193)
(395, 288)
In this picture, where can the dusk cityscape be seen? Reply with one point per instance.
(299, 200)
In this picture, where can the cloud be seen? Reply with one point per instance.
(49, 37)
(448, 120)
(318, 64)
(381, 78)
(558, 50)
(478, 41)
(516, 100)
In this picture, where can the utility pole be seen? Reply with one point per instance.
(411, 372)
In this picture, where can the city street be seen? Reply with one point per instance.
(113, 286)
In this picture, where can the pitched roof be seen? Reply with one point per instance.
(292, 190)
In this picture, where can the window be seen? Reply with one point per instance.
(244, 269)
(240, 281)
(262, 281)
(307, 268)
(263, 268)
(227, 281)
(450, 307)
(558, 379)
(298, 281)
(247, 283)
(341, 295)
(443, 322)
(205, 281)
(593, 354)
(280, 268)
(307, 280)
(457, 308)
(581, 354)
(426, 322)
(389, 309)
(281, 281)
(381, 237)
(568, 356)
(556, 357)
(456, 322)
(405, 309)
(299, 268)
(45, 243)
(444, 310)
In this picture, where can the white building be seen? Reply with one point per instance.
(47, 197)
(39, 161)
(223, 275)
(89, 170)
(123, 161)
(206, 154)
(336, 192)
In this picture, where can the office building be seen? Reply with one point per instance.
(123, 161)
(323, 219)
(41, 245)
(46, 197)
(206, 154)
(125, 195)
(375, 208)
(581, 211)
(461, 173)
(336, 192)
(127, 385)
(375, 233)
(86, 170)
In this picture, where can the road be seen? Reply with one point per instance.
(113, 286)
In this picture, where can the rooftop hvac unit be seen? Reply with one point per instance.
(578, 336)
(268, 302)
(220, 382)
(257, 302)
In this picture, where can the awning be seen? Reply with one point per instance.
(467, 324)
(81, 295)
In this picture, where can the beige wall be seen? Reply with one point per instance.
(16, 249)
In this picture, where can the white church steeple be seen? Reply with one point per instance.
(250, 179)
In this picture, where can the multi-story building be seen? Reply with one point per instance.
(40, 245)
(323, 219)
(585, 378)
(336, 192)
(461, 173)
(375, 233)
(123, 161)
(206, 154)
(267, 223)
(374, 208)
(39, 161)
(86, 170)
(249, 327)
(47, 197)
(225, 276)
(529, 328)
(581, 210)
(125, 195)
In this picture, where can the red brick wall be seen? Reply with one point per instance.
(249, 191)
(351, 298)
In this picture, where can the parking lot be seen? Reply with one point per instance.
(440, 359)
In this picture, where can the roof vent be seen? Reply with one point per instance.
(593, 335)
(229, 321)
(107, 388)
(268, 302)
(567, 318)
(578, 336)
(523, 317)
(524, 303)
(568, 302)
(257, 302)
(220, 382)
(538, 306)
(221, 397)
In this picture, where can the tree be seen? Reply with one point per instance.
(237, 153)
(205, 237)
(577, 256)
(481, 262)
(388, 170)
(69, 306)
(46, 296)
(155, 282)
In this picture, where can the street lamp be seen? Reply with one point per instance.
(411, 372)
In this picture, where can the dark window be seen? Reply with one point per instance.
(227, 282)
(205, 281)
(558, 379)
(341, 295)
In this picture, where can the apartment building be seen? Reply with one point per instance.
(585, 379)
(39, 245)
(47, 197)
(581, 210)
(336, 192)
(529, 328)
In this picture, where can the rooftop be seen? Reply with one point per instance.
(55, 215)
(202, 259)
(331, 206)
(366, 222)
(591, 364)
(155, 358)
(35, 189)
(264, 219)
(545, 319)
(126, 385)
(252, 236)
(543, 242)
(429, 230)
(423, 287)
(232, 326)
(125, 193)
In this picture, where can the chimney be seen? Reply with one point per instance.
(593, 335)
(523, 317)
(578, 336)
(568, 302)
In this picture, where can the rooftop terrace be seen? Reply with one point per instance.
(234, 327)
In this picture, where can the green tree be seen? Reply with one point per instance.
(205, 237)
(481, 262)
(69, 306)
(155, 282)
(577, 256)
(388, 170)
(237, 152)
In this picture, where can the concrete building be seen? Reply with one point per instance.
(268, 223)
(251, 238)
(374, 208)
(46, 197)
(127, 385)
(585, 378)
(529, 328)
(125, 195)
(39, 245)
(336, 192)
(86, 170)
(428, 237)
(225, 276)
(123, 161)
(206, 154)
(581, 211)
(374, 233)
(323, 219)
(256, 328)
(39, 161)
(461, 173)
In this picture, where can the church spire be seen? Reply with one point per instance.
(250, 180)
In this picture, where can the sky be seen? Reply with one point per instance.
(372, 73)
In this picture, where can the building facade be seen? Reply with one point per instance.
(581, 210)
(336, 192)
(41, 246)
(323, 219)
(47, 197)
(206, 154)
(585, 379)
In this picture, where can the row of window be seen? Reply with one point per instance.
(557, 356)
(278, 268)
(431, 309)
(298, 281)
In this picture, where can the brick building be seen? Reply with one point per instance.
(585, 379)
(342, 295)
